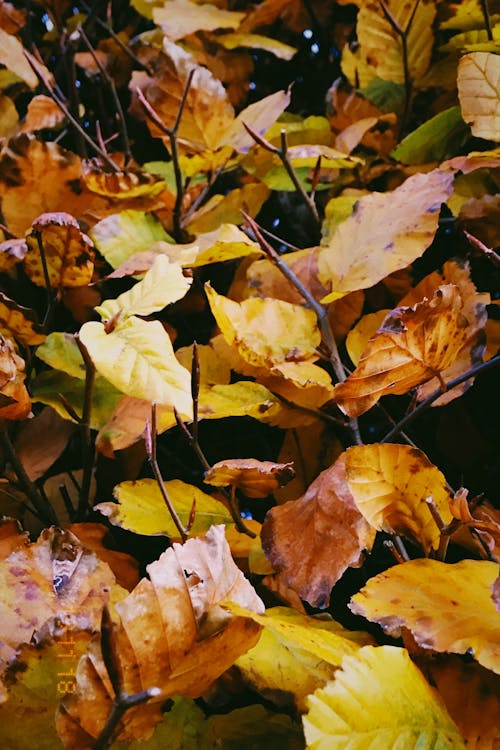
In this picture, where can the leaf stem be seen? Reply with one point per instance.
(150, 439)
(487, 20)
(88, 453)
(46, 278)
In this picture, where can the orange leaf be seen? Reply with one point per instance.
(254, 478)
(332, 533)
(413, 345)
(171, 633)
(69, 254)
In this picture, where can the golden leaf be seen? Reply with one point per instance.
(413, 345)
(21, 322)
(390, 484)
(326, 519)
(254, 478)
(171, 633)
(178, 18)
(385, 232)
(12, 56)
(413, 717)
(43, 113)
(446, 607)
(479, 93)
(266, 332)
(69, 254)
(129, 183)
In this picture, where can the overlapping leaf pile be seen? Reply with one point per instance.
(242, 332)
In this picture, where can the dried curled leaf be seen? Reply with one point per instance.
(446, 607)
(254, 478)
(332, 531)
(413, 345)
(15, 402)
(171, 633)
(412, 717)
(390, 484)
(69, 253)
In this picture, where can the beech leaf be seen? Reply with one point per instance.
(479, 93)
(178, 18)
(254, 478)
(413, 717)
(447, 607)
(333, 536)
(119, 236)
(385, 232)
(390, 484)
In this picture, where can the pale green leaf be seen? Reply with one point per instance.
(439, 138)
(60, 351)
(119, 236)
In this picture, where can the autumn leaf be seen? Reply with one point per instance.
(447, 607)
(390, 484)
(140, 508)
(181, 654)
(119, 236)
(127, 183)
(20, 322)
(333, 533)
(296, 653)
(479, 93)
(137, 358)
(254, 478)
(69, 254)
(178, 18)
(385, 232)
(43, 113)
(413, 345)
(413, 717)
(15, 402)
(12, 56)
(266, 331)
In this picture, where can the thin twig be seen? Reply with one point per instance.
(399, 545)
(150, 439)
(487, 20)
(282, 154)
(122, 124)
(87, 446)
(486, 251)
(423, 405)
(52, 93)
(392, 547)
(44, 509)
(174, 151)
(50, 297)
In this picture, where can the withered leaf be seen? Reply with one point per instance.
(254, 478)
(332, 531)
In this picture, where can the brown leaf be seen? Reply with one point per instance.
(40, 441)
(43, 113)
(12, 252)
(171, 633)
(254, 478)
(332, 533)
(413, 345)
(125, 567)
(16, 400)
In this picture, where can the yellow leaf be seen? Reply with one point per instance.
(296, 653)
(257, 41)
(141, 508)
(385, 232)
(9, 119)
(69, 254)
(129, 183)
(43, 113)
(254, 478)
(21, 322)
(119, 236)
(266, 332)
(223, 209)
(170, 633)
(137, 358)
(413, 717)
(359, 336)
(213, 369)
(178, 18)
(12, 56)
(390, 483)
(446, 607)
(380, 47)
(301, 383)
(163, 284)
(413, 345)
(324, 518)
(479, 93)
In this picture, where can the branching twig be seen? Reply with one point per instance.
(44, 510)
(174, 151)
(282, 154)
(84, 424)
(62, 106)
(150, 440)
(423, 405)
